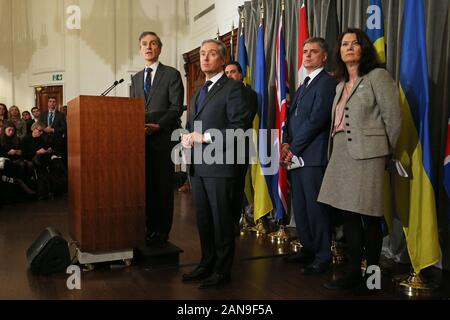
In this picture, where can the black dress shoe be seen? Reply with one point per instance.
(156, 239)
(299, 258)
(347, 282)
(318, 268)
(215, 280)
(198, 274)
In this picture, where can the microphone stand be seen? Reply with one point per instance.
(112, 87)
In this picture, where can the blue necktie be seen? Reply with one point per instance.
(301, 92)
(202, 96)
(148, 82)
(50, 119)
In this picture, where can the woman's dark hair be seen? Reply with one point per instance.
(5, 108)
(369, 60)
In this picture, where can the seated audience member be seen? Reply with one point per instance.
(15, 117)
(26, 116)
(38, 150)
(3, 111)
(15, 167)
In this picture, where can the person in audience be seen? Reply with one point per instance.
(55, 125)
(365, 127)
(11, 149)
(3, 112)
(38, 149)
(26, 116)
(36, 113)
(20, 125)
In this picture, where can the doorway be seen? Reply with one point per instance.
(43, 93)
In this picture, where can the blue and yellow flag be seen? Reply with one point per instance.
(262, 201)
(375, 29)
(243, 59)
(415, 197)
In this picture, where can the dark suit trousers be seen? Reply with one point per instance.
(159, 176)
(237, 203)
(312, 218)
(212, 198)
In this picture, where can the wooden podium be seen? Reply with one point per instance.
(106, 157)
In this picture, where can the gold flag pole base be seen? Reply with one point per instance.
(245, 226)
(296, 245)
(260, 229)
(279, 236)
(414, 285)
(336, 253)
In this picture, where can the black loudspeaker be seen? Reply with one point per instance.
(49, 253)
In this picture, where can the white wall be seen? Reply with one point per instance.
(36, 44)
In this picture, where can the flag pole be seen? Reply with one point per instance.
(281, 236)
(232, 43)
(260, 227)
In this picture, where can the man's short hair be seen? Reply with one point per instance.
(220, 44)
(235, 63)
(321, 41)
(151, 33)
(52, 97)
(34, 108)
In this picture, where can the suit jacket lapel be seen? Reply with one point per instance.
(140, 84)
(216, 88)
(156, 80)
(192, 114)
(355, 86)
(294, 103)
(312, 83)
(339, 91)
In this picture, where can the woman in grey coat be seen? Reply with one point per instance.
(366, 123)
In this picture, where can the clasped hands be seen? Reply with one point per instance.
(188, 140)
(286, 156)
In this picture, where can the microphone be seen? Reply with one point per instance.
(111, 87)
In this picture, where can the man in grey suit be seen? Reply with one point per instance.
(221, 105)
(162, 88)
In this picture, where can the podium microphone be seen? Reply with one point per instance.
(112, 87)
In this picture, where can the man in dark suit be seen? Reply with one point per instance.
(162, 88)
(219, 106)
(309, 121)
(55, 125)
(233, 70)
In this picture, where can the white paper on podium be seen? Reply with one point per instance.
(297, 162)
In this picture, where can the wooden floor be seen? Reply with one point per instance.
(259, 272)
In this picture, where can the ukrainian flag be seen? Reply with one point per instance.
(415, 197)
(375, 29)
(243, 61)
(262, 201)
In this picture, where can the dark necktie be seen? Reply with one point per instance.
(50, 119)
(301, 92)
(148, 82)
(202, 96)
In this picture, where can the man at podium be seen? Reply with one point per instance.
(162, 88)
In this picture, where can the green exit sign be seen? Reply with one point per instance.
(57, 77)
